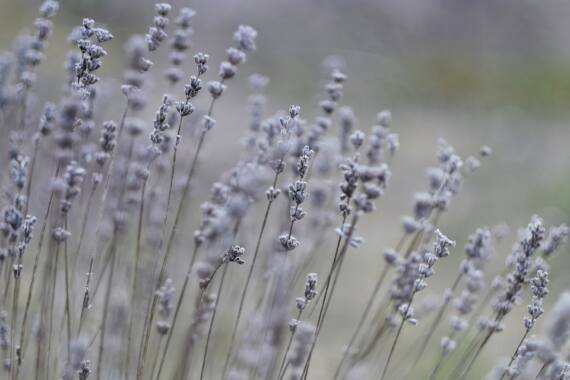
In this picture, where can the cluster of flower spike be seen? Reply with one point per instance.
(118, 201)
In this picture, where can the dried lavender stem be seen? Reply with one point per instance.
(23, 110)
(67, 293)
(466, 355)
(513, 357)
(53, 284)
(86, 298)
(283, 365)
(84, 226)
(367, 311)
(177, 310)
(31, 287)
(15, 296)
(121, 196)
(360, 323)
(249, 276)
(188, 352)
(435, 323)
(441, 358)
(324, 307)
(31, 175)
(173, 165)
(210, 327)
(110, 170)
(99, 280)
(329, 276)
(170, 240)
(541, 371)
(476, 355)
(101, 351)
(498, 319)
(395, 342)
(472, 324)
(135, 277)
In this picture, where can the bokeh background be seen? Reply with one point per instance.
(472, 72)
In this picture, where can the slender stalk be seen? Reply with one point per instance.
(23, 109)
(249, 277)
(52, 303)
(469, 350)
(34, 270)
(182, 371)
(329, 276)
(466, 356)
(67, 293)
(15, 296)
(324, 308)
(440, 360)
(86, 298)
(210, 328)
(513, 357)
(43, 338)
(31, 174)
(101, 351)
(438, 318)
(173, 166)
(472, 361)
(283, 366)
(395, 342)
(436, 368)
(83, 226)
(498, 320)
(177, 310)
(106, 185)
(135, 278)
(541, 371)
(146, 332)
(360, 323)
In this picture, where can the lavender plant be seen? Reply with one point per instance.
(102, 279)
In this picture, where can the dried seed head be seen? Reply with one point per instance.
(234, 255)
(311, 286)
(245, 37)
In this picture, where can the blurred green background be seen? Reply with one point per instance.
(473, 72)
